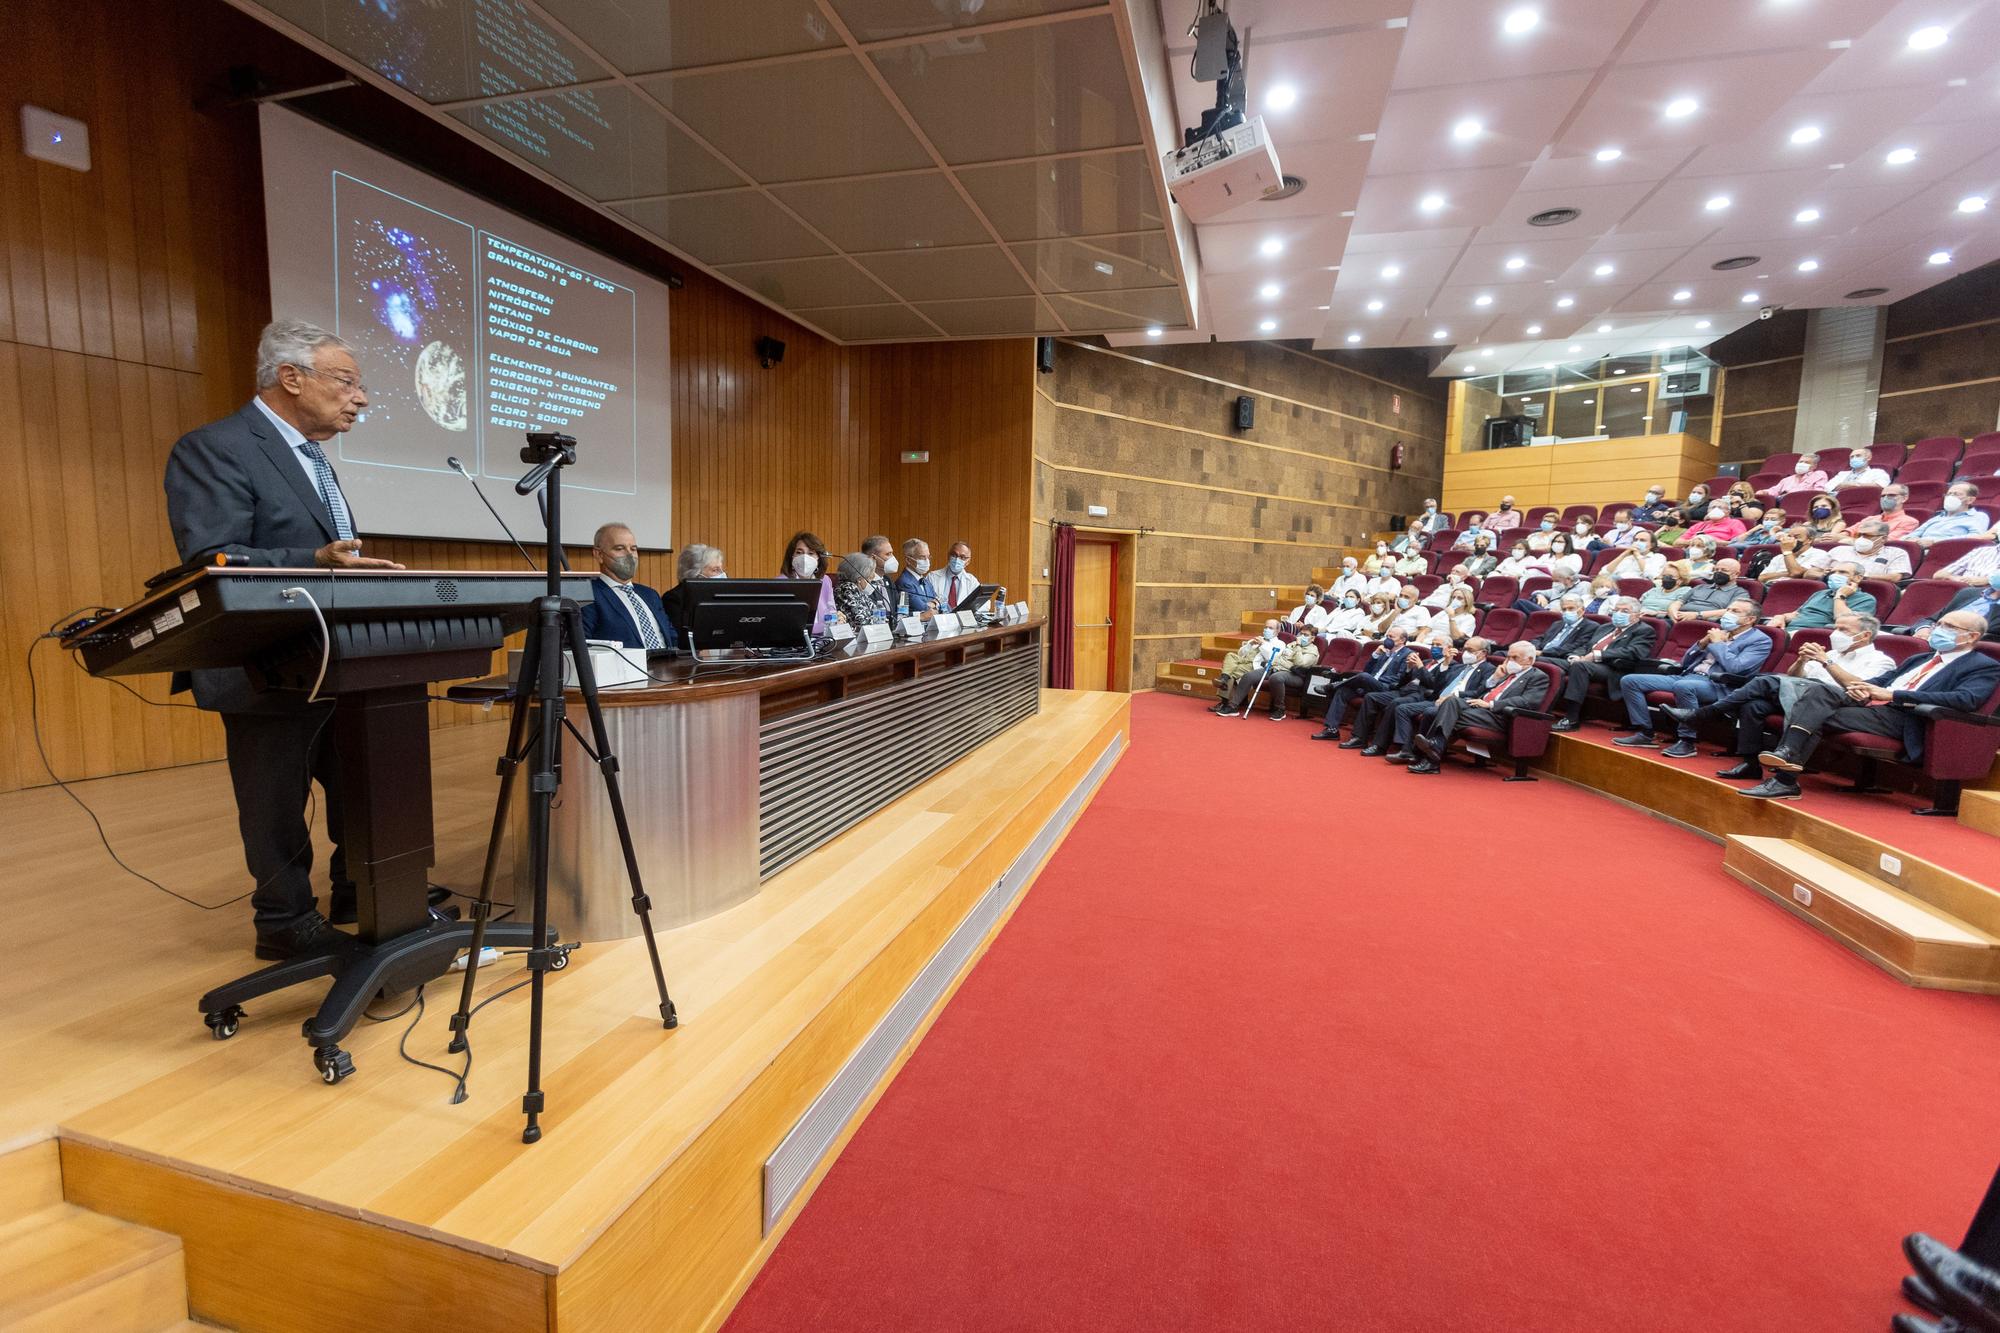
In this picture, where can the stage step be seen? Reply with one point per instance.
(1225, 642)
(1980, 810)
(64, 1267)
(1902, 934)
(1188, 677)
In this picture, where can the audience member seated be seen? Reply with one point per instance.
(1308, 614)
(956, 581)
(1581, 534)
(1710, 598)
(1618, 534)
(1547, 599)
(1436, 599)
(1669, 590)
(1411, 540)
(695, 562)
(1431, 669)
(1382, 671)
(1349, 618)
(1351, 578)
(1603, 596)
(1976, 565)
(1740, 498)
(1469, 535)
(1520, 562)
(1385, 583)
(1653, 509)
(1381, 561)
(879, 549)
(1842, 595)
(853, 590)
(1238, 659)
(805, 558)
(1760, 530)
(1409, 617)
(1640, 561)
(1569, 634)
(1823, 521)
(1564, 554)
(1956, 517)
(1982, 599)
(1700, 556)
(1390, 721)
(1411, 562)
(1625, 645)
(1514, 685)
(1697, 501)
(1951, 675)
(1455, 623)
(1895, 517)
(620, 609)
(1724, 658)
(1869, 550)
(1539, 538)
(1806, 476)
(1796, 557)
(1380, 609)
(1672, 528)
(914, 593)
(1431, 522)
(1717, 524)
(1849, 655)
(1504, 519)
(1273, 669)
(1860, 471)
(1482, 561)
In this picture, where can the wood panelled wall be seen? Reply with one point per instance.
(1148, 433)
(1940, 370)
(130, 300)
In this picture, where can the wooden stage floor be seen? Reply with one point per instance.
(304, 1206)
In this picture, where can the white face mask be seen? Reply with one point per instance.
(891, 565)
(1862, 546)
(1803, 468)
(1840, 641)
(920, 567)
(803, 564)
(1471, 655)
(1953, 503)
(1602, 593)
(1381, 549)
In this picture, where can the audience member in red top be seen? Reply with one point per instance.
(1899, 520)
(1718, 523)
(1806, 476)
(1505, 518)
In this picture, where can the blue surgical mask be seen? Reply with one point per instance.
(1728, 621)
(1944, 639)
(1437, 651)
(1350, 601)
(1889, 503)
(1571, 617)
(1270, 633)
(1856, 461)
(956, 564)
(1548, 525)
(1993, 580)
(1836, 581)
(1621, 618)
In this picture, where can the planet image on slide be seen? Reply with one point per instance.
(440, 384)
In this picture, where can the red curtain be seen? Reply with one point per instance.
(1062, 609)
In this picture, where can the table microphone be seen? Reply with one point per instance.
(458, 467)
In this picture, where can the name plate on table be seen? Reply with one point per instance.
(842, 631)
(912, 627)
(876, 634)
(1018, 610)
(946, 622)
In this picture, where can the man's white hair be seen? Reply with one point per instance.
(290, 342)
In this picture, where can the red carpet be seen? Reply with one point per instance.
(1284, 1039)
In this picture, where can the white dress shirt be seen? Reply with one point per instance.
(1868, 476)
(1883, 562)
(1312, 614)
(1355, 582)
(940, 581)
(295, 440)
(1865, 663)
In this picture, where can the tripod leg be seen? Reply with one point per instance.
(607, 764)
(541, 792)
(510, 763)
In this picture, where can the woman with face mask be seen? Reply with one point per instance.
(1519, 563)
(1640, 560)
(1824, 520)
(1348, 618)
(805, 558)
(1380, 560)
(1603, 596)
(1564, 555)
(1457, 621)
(1308, 614)
(1669, 588)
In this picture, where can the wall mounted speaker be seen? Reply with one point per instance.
(769, 352)
(1045, 354)
(1246, 412)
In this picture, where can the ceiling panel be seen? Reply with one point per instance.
(609, 143)
(1021, 92)
(886, 212)
(870, 323)
(1332, 170)
(935, 275)
(1628, 108)
(1072, 196)
(644, 36)
(1695, 29)
(1462, 41)
(1540, 261)
(1883, 58)
(1020, 316)
(1469, 198)
(734, 228)
(877, 20)
(801, 284)
(1312, 245)
(1341, 76)
(1144, 260)
(1497, 124)
(446, 50)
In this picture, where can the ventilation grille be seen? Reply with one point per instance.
(446, 589)
(1555, 217)
(798, 1156)
(1737, 261)
(1865, 293)
(1285, 189)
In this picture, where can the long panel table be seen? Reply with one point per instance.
(732, 771)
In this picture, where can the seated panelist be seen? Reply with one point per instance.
(853, 589)
(695, 562)
(955, 581)
(619, 609)
(914, 594)
(805, 558)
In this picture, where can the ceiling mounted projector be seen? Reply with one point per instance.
(1210, 176)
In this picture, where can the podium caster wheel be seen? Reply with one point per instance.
(222, 1023)
(559, 961)
(333, 1063)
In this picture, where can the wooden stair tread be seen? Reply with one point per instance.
(53, 1253)
(1980, 810)
(1891, 907)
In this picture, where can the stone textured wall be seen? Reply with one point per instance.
(1149, 433)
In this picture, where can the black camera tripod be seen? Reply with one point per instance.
(558, 625)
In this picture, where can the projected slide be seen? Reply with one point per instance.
(472, 328)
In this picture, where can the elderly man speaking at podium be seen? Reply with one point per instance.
(257, 487)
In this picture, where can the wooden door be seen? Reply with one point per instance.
(1096, 595)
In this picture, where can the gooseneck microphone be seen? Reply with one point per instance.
(458, 467)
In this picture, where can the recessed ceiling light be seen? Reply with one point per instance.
(1575, 348)
(1438, 333)
(1283, 97)
(1519, 21)
(1589, 401)
(1534, 329)
(1972, 203)
(1604, 270)
(1516, 263)
(1609, 154)
(1354, 337)
(1392, 270)
(1806, 215)
(1716, 203)
(1808, 266)
(1375, 307)
(1271, 246)
(1681, 108)
(1565, 302)
(1619, 371)
(1928, 38)
(1604, 328)
(1482, 299)
(1431, 203)
(1471, 367)
(1467, 130)
(1899, 157)
(1683, 295)
(1268, 326)
(1102, 267)
(1155, 331)
(1747, 298)
(1806, 134)
(1940, 257)
(1703, 324)
(1270, 291)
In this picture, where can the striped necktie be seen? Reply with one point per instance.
(649, 633)
(329, 490)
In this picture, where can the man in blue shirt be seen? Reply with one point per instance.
(913, 592)
(1957, 518)
(1722, 659)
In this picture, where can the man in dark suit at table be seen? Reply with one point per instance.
(631, 613)
(258, 487)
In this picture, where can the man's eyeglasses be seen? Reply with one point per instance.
(346, 382)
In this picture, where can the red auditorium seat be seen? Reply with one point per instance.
(1426, 584)
(1571, 513)
(1936, 446)
(1535, 583)
(1922, 601)
(1597, 560)
(1444, 558)
(1501, 625)
(1780, 463)
(1947, 551)
(1799, 503)
(1634, 587)
(1885, 592)
(1538, 621)
(1913, 552)
(1794, 641)
(1525, 732)
(1888, 457)
(1535, 515)
(1672, 552)
(1990, 437)
(1340, 654)
(1607, 509)
(1958, 747)
(1926, 494)
(1468, 517)
(1681, 636)
(1499, 589)
(1857, 502)
(1926, 469)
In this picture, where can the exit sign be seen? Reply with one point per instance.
(916, 455)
